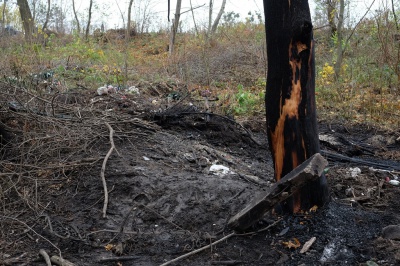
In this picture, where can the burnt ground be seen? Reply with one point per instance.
(165, 202)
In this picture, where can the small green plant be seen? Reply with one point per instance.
(247, 102)
(261, 83)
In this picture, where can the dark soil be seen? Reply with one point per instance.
(164, 202)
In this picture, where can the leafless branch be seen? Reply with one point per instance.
(103, 169)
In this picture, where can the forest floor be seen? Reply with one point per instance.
(165, 201)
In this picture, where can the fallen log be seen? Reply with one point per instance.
(308, 171)
(342, 158)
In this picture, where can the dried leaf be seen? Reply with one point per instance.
(313, 208)
(109, 247)
(294, 243)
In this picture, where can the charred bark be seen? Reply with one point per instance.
(290, 96)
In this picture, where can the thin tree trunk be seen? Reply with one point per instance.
(290, 96)
(397, 66)
(194, 21)
(3, 22)
(89, 18)
(339, 45)
(127, 38)
(47, 15)
(331, 11)
(174, 28)
(78, 25)
(218, 18)
(27, 19)
(395, 16)
(210, 9)
(128, 25)
(120, 11)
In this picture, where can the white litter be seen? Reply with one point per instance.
(354, 172)
(220, 170)
(106, 90)
(102, 90)
(133, 90)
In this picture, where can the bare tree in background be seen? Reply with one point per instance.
(210, 8)
(3, 21)
(143, 15)
(218, 18)
(89, 18)
(333, 14)
(27, 19)
(175, 23)
(78, 26)
(194, 20)
(127, 38)
(128, 26)
(212, 27)
(327, 11)
(339, 40)
(331, 7)
(120, 11)
(397, 65)
(47, 15)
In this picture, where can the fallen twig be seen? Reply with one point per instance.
(103, 169)
(13, 261)
(216, 242)
(252, 178)
(45, 256)
(198, 250)
(227, 262)
(60, 261)
(122, 258)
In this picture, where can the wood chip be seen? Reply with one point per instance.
(307, 245)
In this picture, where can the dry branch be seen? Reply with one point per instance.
(103, 169)
(120, 258)
(198, 250)
(13, 261)
(60, 261)
(45, 256)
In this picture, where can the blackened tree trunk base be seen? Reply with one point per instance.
(290, 96)
(308, 171)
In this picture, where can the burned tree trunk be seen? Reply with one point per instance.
(290, 96)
